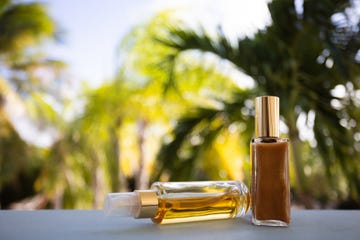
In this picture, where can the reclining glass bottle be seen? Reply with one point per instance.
(270, 188)
(174, 202)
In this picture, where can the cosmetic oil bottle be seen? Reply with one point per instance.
(175, 202)
(270, 188)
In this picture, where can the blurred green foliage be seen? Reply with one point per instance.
(176, 109)
(23, 26)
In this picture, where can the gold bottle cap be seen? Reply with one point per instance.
(148, 204)
(267, 116)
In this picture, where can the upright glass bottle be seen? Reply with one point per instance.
(270, 188)
(174, 202)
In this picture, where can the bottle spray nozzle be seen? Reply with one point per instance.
(139, 204)
(120, 204)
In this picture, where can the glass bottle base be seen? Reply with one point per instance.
(270, 222)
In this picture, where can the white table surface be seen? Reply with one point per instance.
(76, 224)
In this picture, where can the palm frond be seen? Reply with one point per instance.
(23, 24)
(178, 157)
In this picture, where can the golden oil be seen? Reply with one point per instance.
(177, 210)
(198, 201)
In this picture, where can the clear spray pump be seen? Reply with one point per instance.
(174, 202)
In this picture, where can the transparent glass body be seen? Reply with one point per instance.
(203, 200)
(270, 187)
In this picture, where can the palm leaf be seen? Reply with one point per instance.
(22, 25)
(178, 157)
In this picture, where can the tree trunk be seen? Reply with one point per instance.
(120, 181)
(58, 199)
(142, 176)
(97, 183)
(302, 186)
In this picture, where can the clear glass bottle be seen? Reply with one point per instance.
(175, 202)
(270, 187)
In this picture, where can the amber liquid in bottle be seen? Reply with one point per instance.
(198, 201)
(270, 182)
